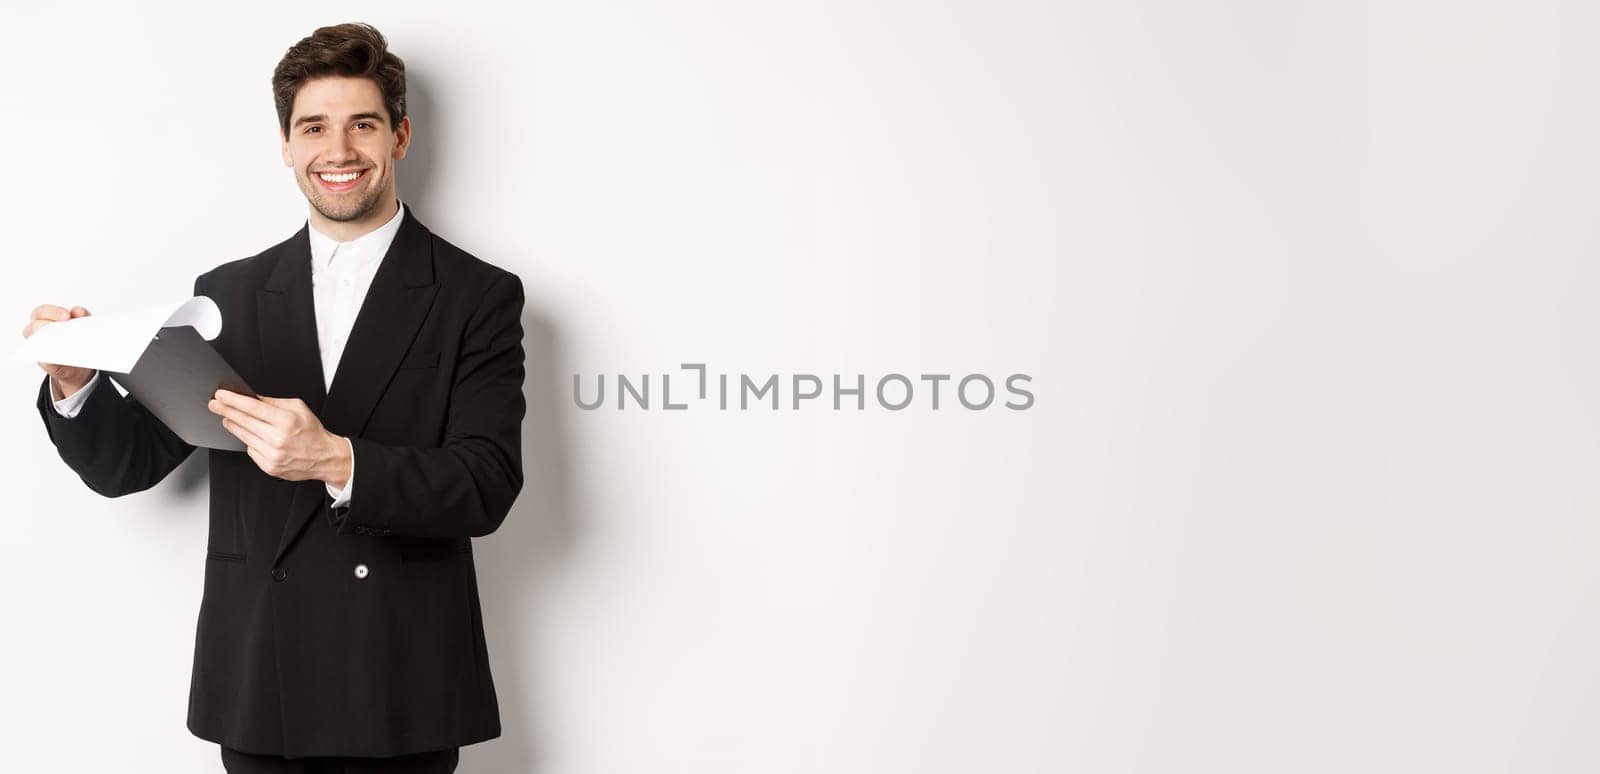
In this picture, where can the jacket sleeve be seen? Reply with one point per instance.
(113, 443)
(466, 487)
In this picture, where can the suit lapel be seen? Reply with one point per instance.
(286, 315)
(398, 300)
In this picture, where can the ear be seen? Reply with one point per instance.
(402, 138)
(288, 158)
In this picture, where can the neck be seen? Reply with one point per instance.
(346, 230)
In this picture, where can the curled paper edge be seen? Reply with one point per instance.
(199, 313)
(115, 341)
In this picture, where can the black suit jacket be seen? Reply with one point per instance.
(297, 652)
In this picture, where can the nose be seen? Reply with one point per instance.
(340, 150)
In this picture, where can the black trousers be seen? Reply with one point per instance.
(434, 762)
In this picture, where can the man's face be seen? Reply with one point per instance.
(339, 125)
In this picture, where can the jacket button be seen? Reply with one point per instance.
(361, 571)
(279, 573)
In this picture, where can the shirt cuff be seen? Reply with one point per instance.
(342, 496)
(68, 407)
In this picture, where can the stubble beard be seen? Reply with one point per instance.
(345, 210)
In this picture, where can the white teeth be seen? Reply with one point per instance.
(345, 178)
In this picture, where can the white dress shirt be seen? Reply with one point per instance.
(341, 273)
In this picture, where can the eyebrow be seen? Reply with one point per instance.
(357, 117)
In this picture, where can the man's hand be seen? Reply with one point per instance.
(64, 380)
(284, 438)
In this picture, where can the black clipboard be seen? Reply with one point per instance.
(176, 377)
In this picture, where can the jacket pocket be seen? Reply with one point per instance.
(420, 360)
(434, 551)
(224, 556)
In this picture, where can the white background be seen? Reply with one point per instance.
(1305, 290)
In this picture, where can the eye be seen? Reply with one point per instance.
(363, 123)
(309, 128)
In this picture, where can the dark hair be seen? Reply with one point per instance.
(351, 50)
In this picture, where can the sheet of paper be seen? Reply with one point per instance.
(113, 342)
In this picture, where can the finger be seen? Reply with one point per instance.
(248, 405)
(291, 405)
(46, 312)
(237, 414)
(243, 433)
(260, 429)
(79, 311)
(50, 314)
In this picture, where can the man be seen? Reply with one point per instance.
(339, 625)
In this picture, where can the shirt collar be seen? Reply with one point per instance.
(370, 246)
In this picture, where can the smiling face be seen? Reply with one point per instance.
(343, 151)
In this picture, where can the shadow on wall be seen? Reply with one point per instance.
(515, 562)
(415, 172)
